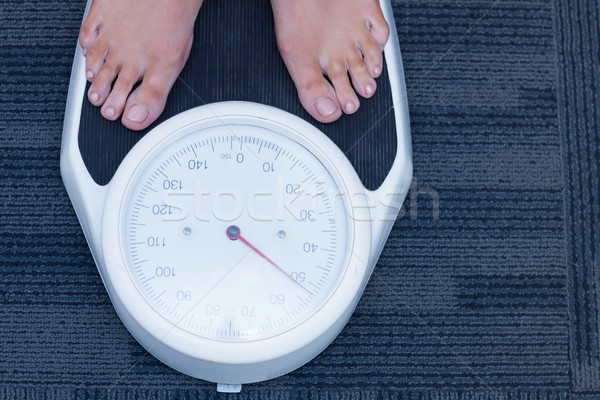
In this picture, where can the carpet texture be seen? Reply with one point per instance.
(488, 288)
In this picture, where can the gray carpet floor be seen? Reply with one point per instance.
(488, 288)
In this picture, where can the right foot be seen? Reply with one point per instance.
(340, 39)
(127, 41)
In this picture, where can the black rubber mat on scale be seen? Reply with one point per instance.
(235, 57)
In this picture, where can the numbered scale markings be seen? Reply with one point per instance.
(235, 233)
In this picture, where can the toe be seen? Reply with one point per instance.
(316, 94)
(372, 55)
(338, 74)
(378, 27)
(95, 58)
(147, 101)
(89, 31)
(115, 103)
(101, 85)
(362, 81)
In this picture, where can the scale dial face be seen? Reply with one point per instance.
(235, 232)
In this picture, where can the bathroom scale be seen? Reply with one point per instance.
(236, 234)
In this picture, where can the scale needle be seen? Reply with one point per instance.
(234, 233)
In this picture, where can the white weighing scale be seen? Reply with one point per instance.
(235, 239)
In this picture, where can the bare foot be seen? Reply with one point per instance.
(127, 41)
(332, 38)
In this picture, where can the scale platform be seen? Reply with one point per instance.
(235, 57)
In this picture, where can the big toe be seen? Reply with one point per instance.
(325, 107)
(138, 113)
(316, 94)
(319, 99)
(145, 104)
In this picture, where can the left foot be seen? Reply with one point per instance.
(332, 38)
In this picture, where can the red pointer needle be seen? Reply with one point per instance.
(234, 233)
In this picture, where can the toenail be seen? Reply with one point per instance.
(377, 70)
(349, 107)
(95, 97)
(89, 74)
(369, 89)
(325, 106)
(110, 112)
(84, 52)
(137, 113)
